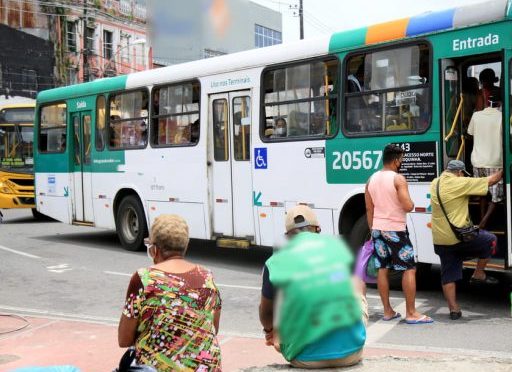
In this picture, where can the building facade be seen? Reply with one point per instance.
(90, 38)
(183, 31)
(26, 63)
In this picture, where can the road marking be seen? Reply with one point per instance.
(19, 252)
(380, 328)
(59, 269)
(222, 285)
(116, 273)
(218, 284)
(237, 286)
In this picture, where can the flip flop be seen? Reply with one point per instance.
(396, 316)
(423, 320)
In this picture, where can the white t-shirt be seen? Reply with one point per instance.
(486, 129)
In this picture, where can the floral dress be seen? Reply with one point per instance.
(175, 330)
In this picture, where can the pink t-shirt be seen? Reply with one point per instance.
(388, 214)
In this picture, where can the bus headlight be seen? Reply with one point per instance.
(4, 188)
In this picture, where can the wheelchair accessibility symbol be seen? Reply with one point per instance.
(260, 158)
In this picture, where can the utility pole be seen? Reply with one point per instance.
(301, 19)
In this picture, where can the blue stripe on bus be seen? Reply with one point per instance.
(430, 22)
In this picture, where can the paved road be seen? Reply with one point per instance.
(82, 273)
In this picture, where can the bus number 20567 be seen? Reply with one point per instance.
(355, 160)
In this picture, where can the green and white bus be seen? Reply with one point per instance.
(232, 142)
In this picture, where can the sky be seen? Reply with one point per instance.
(323, 17)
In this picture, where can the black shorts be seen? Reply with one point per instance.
(453, 256)
(393, 250)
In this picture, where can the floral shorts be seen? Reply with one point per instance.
(496, 190)
(393, 250)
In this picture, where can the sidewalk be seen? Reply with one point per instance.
(93, 348)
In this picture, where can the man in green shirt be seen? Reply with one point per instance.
(455, 190)
(310, 297)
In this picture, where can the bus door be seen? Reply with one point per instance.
(82, 185)
(507, 150)
(230, 119)
(461, 98)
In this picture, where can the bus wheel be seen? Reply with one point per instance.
(131, 224)
(359, 234)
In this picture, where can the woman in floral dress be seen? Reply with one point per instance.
(172, 308)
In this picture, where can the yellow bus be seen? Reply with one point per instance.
(16, 155)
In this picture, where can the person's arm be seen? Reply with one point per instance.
(402, 190)
(127, 330)
(267, 319)
(266, 309)
(369, 206)
(216, 320)
(495, 178)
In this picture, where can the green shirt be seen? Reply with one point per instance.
(312, 275)
(455, 192)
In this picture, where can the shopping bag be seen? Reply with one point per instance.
(365, 263)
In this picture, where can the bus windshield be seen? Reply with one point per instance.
(16, 138)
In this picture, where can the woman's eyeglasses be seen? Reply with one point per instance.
(148, 245)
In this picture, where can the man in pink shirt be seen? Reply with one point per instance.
(387, 203)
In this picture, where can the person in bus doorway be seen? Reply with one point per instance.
(454, 191)
(322, 312)
(172, 308)
(486, 130)
(387, 204)
(490, 91)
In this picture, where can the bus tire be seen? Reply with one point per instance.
(131, 226)
(359, 234)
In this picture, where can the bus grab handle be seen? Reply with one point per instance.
(461, 149)
(454, 123)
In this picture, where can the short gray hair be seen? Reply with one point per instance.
(169, 233)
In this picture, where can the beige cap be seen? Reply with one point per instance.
(300, 210)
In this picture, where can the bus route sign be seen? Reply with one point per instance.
(420, 161)
(356, 164)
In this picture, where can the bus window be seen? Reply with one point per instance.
(300, 101)
(128, 120)
(175, 115)
(242, 128)
(220, 130)
(87, 139)
(76, 139)
(388, 90)
(100, 123)
(52, 128)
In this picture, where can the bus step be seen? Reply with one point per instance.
(233, 243)
(83, 223)
(497, 232)
(494, 265)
